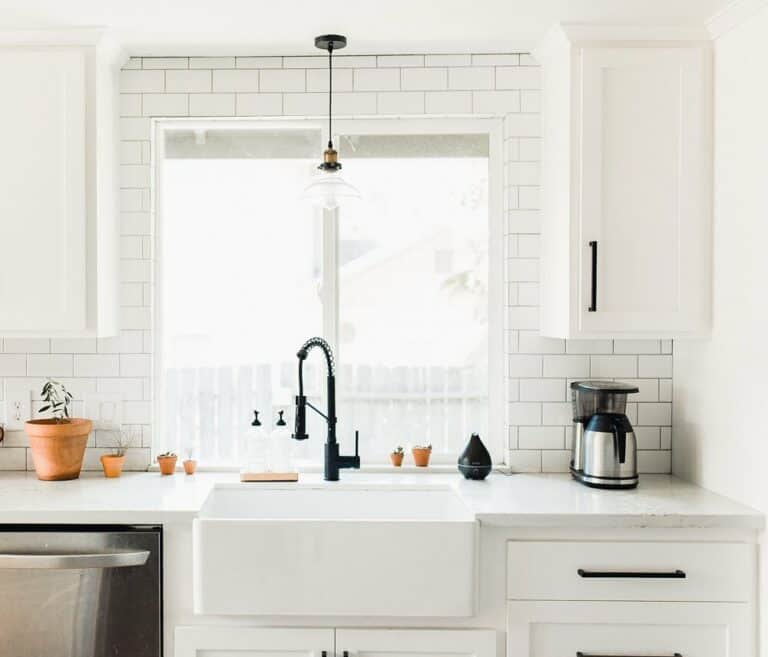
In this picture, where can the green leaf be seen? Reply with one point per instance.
(44, 408)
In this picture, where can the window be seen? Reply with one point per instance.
(400, 284)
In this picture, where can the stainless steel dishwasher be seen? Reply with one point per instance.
(80, 591)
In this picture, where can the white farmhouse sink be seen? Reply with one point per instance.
(334, 550)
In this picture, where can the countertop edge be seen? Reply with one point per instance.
(617, 521)
(517, 501)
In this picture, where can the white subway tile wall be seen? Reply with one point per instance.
(539, 369)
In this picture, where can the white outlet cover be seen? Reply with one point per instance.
(18, 405)
(104, 409)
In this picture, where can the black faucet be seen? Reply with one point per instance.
(333, 460)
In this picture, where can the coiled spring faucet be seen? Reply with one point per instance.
(333, 460)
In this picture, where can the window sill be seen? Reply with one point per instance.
(438, 468)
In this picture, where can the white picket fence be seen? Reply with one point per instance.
(210, 409)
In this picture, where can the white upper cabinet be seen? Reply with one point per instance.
(58, 196)
(626, 182)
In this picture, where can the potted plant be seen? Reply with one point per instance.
(57, 443)
(123, 438)
(421, 454)
(189, 463)
(167, 463)
(397, 456)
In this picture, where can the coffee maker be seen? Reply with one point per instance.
(604, 449)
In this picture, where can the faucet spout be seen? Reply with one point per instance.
(333, 460)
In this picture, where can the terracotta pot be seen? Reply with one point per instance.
(421, 456)
(397, 459)
(58, 447)
(190, 465)
(167, 464)
(112, 464)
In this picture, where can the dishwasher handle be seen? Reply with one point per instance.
(73, 561)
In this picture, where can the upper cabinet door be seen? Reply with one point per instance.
(43, 266)
(644, 199)
(626, 177)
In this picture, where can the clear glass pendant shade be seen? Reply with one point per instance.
(327, 189)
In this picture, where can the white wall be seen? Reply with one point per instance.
(504, 85)
(721, 384)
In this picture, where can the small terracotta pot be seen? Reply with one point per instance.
(396, 458)
(421, 456)
(190, 465)
(58, 447)
(112, 464)
(167, 464)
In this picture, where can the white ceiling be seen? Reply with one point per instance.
(163, 27)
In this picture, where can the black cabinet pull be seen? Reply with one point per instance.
(345, 653)
(593, 303)
(324, 653)
(605, 574)
(589, 654)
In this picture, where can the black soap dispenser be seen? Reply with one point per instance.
(475, 461)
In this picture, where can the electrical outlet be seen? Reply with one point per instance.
(18, 405)
(104, 409)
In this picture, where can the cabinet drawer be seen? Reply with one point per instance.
(629, 629)
(714, 572)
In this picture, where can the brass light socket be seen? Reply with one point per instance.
(330, 160)
(331, 156)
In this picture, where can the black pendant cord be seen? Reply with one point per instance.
(330, 95)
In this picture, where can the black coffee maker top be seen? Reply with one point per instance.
(604, 386)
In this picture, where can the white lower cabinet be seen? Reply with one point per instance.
(218, 641)
(416, 643)
(234, 641)
(624, 570)
(628, 629)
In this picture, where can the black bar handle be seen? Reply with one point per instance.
(324, 653)
(345, 653)
(589, 654)
(622, 574)
(593, 301)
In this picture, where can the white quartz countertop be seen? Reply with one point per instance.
(518, 500)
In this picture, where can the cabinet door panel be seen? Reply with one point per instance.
(42, 191)
(233, 641)
(416, 643)
(644, 193)
(563, 629)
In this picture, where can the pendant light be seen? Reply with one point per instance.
(328, 187)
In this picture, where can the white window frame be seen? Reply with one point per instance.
(425, 125)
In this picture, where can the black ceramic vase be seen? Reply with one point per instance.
(475, 461)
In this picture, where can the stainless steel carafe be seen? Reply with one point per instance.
(591, 398)
(610, 452)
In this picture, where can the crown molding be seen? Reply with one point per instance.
(601, 32)
(732, 15)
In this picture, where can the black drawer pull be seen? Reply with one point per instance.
(605, 574)
(593, 283)
(589, 654)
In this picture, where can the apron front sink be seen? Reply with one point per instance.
(338, 550)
